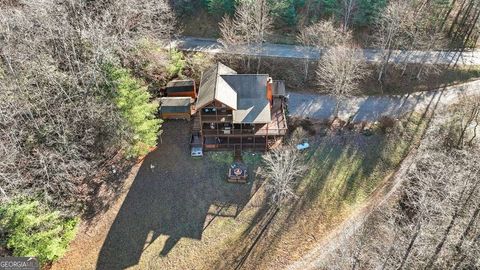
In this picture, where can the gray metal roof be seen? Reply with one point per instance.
(176, 83)
(253, 111)
(253, 106)
(175, 101)
(212, 87)
(246, 94)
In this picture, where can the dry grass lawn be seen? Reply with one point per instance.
(179, 213)
(345, 170)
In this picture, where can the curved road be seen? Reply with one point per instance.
(207, 45)
(371, 108)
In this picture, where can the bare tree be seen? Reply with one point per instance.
(424, 32)
(282, 167)
(339, 72)
(321, 36)
(57, 122)
(463, 30)
(432, 221)
(390, 31)
(348, 12)
(248, 28)
(464, 125)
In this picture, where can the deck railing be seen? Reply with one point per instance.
(223, 118)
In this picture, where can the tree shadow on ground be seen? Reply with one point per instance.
(250, 248)
(344, 169)
(366, 163)
(171, 195)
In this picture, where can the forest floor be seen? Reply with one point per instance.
(386, 194)
(177, 212)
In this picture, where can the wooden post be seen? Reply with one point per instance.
(266, 140)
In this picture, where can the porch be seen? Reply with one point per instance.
(253, 143)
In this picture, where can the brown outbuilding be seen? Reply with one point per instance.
(181, 88)
(176, 107)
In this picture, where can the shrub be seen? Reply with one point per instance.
(133, 101)
(386, 123)
(29, 229)
(198, 63)
(149, 60)
(177, 63)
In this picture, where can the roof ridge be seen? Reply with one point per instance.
(216, 81)
(262, 74)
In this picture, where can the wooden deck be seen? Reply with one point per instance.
(197, 125)
(278, 126)
(242, 136)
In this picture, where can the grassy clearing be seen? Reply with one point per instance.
(348, 169)
(224, 223)
(176, 212)
(184, 206)
(344, 172)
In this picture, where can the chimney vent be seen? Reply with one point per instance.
(270, 90)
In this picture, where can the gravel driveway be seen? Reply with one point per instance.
(371, 108)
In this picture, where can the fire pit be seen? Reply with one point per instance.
(237, 173)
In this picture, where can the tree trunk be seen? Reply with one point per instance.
(439, 247)
(410, 245)
(337, 106)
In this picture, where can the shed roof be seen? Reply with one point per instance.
(175, 101)
(177, 83)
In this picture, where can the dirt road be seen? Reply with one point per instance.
(207, 45)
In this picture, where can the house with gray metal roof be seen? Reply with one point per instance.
(239, 110)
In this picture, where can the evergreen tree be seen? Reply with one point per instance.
(331, 7)
(176, 64)
(365, 11)
(368, 10)
(285, 11)
(29, 229)
(133, 101)
(220, 7)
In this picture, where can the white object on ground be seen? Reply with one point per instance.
(197, 152)
(303, 146)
